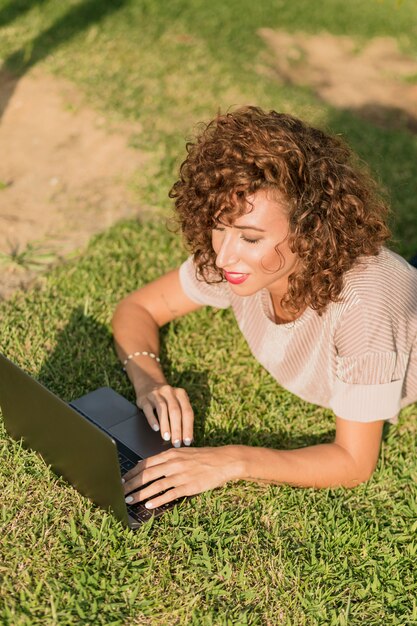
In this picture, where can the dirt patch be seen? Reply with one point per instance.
(65, 170)
(375, 81)
(64, 174)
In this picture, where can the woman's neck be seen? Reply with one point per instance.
(283, 316)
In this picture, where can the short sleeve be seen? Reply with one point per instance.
(215, 295)
(368, 387)
(370, 367)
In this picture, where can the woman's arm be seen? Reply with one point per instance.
(136, 324)
(346, 462)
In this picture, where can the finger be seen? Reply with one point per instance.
(151, 461)
(149, 491)
(163, 458)
(173, 415)
(163, 490)
(142, 474)
(147, 408)
(161, 408)
(175, 420)
(139, 467)
(187, 416)
(135, 483)
(168, 496)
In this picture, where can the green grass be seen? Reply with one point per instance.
(243, 554)
(170, 68)
(34, 256)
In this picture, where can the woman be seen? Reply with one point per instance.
(286, 230)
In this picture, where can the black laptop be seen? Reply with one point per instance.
(91, 442)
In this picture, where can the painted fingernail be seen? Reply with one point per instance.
(149, 505)
(167, 436)
(187, 441)
(177, 443)
(155, 426)
(129, 499)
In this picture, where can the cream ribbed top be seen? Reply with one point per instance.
(358, 359)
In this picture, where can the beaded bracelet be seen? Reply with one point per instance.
(131, 356)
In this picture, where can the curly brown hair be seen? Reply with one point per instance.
(335, 213)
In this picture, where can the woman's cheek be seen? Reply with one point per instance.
(272, 261)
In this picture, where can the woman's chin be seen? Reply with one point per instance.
(244, 289)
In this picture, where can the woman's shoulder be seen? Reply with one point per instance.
(377, 311)
(379, 289)
(386, 275)
(216, 294)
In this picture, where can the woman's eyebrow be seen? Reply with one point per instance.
(261, 230)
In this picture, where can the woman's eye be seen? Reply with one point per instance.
(250, 240)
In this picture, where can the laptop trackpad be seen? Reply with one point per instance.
(105, 407)
(137, 435)
(122, 419)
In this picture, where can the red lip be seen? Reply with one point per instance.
(234, 278)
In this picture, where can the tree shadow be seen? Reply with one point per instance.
(390, 151)
(77, 19)
(16, 9)
(387, 117)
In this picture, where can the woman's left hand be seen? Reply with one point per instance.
(184, 472)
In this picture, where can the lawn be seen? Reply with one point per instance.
(243, 554)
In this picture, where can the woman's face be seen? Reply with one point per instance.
(246, 250)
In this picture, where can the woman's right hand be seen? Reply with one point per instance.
(168, 409)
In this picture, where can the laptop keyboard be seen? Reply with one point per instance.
(138, 510)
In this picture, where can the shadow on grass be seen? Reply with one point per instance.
(77, 19)
(84, 359)
(389, 117)
(278, 440)
(392, 157)
(15, 9)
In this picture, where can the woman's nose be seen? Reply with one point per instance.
(227, 254)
